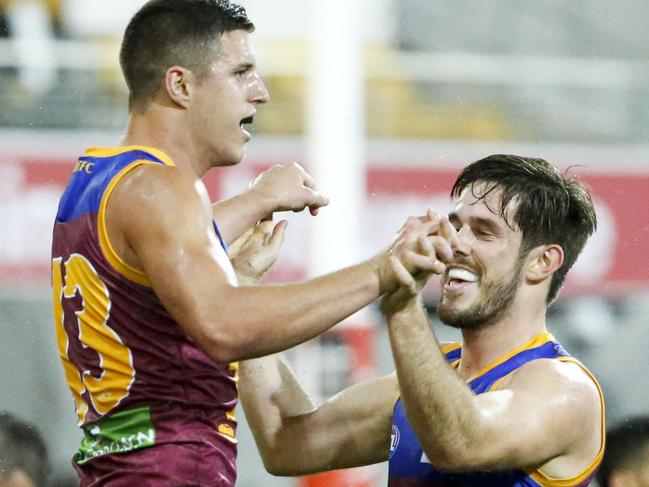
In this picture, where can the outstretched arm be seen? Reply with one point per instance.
(293, 435)
(170, 237)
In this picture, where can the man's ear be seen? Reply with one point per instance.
(177, 82)
(543, 261)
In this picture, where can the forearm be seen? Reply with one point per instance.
(296, 438)
(237, 214)
(260, 320)
(439, 405)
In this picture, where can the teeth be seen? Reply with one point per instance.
(462, 275)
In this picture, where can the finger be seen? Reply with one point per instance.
(432, 214)
(277, 237)
(448, 231)
(307, 180)
(314, 200)
(264, 230)
(317, 199)
(404, 278)
(437, 249)
(443, 249)
(415, 262)
(425, 246)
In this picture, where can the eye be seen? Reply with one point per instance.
(484, 233)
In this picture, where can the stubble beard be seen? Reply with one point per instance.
(494, 302)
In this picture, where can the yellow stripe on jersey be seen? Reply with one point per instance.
(449, 347)
(537, 341)
(115, 151)
(136, 275)
(226, 431)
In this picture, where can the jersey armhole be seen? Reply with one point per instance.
(545, 480)
(138, 276)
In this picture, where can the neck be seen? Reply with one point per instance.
(165, 130)
(481, 346)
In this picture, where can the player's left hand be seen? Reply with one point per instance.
(255, 252)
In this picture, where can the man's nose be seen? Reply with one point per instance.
(462, 244)
(259, 91)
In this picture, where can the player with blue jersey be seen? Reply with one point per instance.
(507, 407)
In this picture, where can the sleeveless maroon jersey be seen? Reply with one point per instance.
(137, 379)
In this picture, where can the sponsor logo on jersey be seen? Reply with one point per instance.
(119, 433)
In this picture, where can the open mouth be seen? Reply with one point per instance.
(243, 123)
(458, 279)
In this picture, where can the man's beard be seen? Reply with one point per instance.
(494, 301)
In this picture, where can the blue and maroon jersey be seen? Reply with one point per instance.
(409, 465)
(137, 379)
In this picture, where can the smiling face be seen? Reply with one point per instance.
(482, 282)
(225, 99)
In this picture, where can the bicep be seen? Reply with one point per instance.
(171, 235)
(353, 427)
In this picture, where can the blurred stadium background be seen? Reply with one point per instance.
(437, 85)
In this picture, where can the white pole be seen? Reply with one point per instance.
(336, 130)
(335, 141)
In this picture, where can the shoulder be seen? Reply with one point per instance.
(568, 372)
(166, 194)
(155, 181)
(565, 384)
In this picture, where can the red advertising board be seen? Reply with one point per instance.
(613, 262)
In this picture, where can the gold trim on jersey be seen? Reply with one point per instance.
(136, 275)
(537, 341)
(115, 151)
(226, 431)
(449, 347)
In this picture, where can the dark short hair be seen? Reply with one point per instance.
(551, 207)
(21, 449)
(626, 445)
(165, 33)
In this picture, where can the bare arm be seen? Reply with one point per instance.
(295, 437)
(279, 188)
(547, 414)
(170, 237)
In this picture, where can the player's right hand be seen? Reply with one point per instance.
(286, 187)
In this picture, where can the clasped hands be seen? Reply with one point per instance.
(422, 248)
